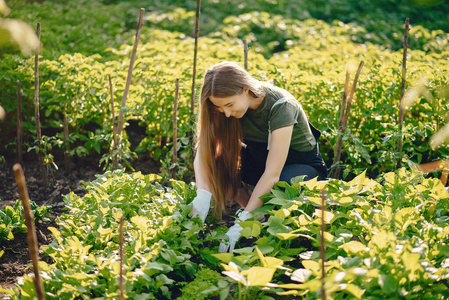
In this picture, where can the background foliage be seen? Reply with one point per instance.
(306, 46)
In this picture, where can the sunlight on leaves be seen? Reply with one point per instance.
(259, 276)
(301, 275)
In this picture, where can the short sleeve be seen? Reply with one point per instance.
(284, 114)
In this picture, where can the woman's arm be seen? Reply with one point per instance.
(277, 155)
(200, 173)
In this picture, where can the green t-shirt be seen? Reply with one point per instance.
(256, 124)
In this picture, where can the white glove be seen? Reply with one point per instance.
(234, 233)
(201, 204)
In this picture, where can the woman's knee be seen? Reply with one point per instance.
(294, 170)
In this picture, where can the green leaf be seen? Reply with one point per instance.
(224, 257)
(388, 284)
(353, 247)
(354, 290)
(259, 276)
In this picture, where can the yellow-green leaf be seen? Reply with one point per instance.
(224, 257)
(282, 213)
(328, 216)
(311, 265)
(259, 276)
(354, 247)
(354, 290)
(286, 236)
(345, 200)
(10, 292)
(360, 179)
(316, 200)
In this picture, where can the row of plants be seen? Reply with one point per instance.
(384, 238)
(77, 86)
(12, 221)
(110, 23)
(311, 65)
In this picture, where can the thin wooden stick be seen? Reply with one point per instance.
(344, 115)
(404, 73)
(322, 249)
(31, 230)
(351, 95)
(343, 101)
(175, 128)
(36, 104)
(121, 240)
(114, 129)
(67, 143)
(19, 122)
(130, 71)
(195, 53)
(245, 53)
(336, 171)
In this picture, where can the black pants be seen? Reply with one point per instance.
(254, 158)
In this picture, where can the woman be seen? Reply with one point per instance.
(252, 132)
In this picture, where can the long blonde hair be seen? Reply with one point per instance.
(220, 137)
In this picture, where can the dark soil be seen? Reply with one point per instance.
(15, 261)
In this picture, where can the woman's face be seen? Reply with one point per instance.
(233, 106)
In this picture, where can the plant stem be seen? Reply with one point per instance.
(121, 239)
(114, 128)
(130, 71)
(175, 128)
(404, 72)
(19, 122)
(31, 230)
(66, 142)
(323, 256)
(36, 104)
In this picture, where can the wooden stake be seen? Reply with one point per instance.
(322, 249)
(36, 105)
(175, 128)
(344, 115)
(121, 240)
(245, 53)
(195, 53)
(31, 230)
(351, 95)
(404, 72)
(114, 129)
(67, 143)
(130, 71)
(19, 122)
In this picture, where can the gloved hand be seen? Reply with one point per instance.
(234, 233)
(201, 204)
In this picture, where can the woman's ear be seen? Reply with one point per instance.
(246, 90)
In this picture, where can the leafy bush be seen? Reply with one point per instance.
(384, 238)
(12, 220)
